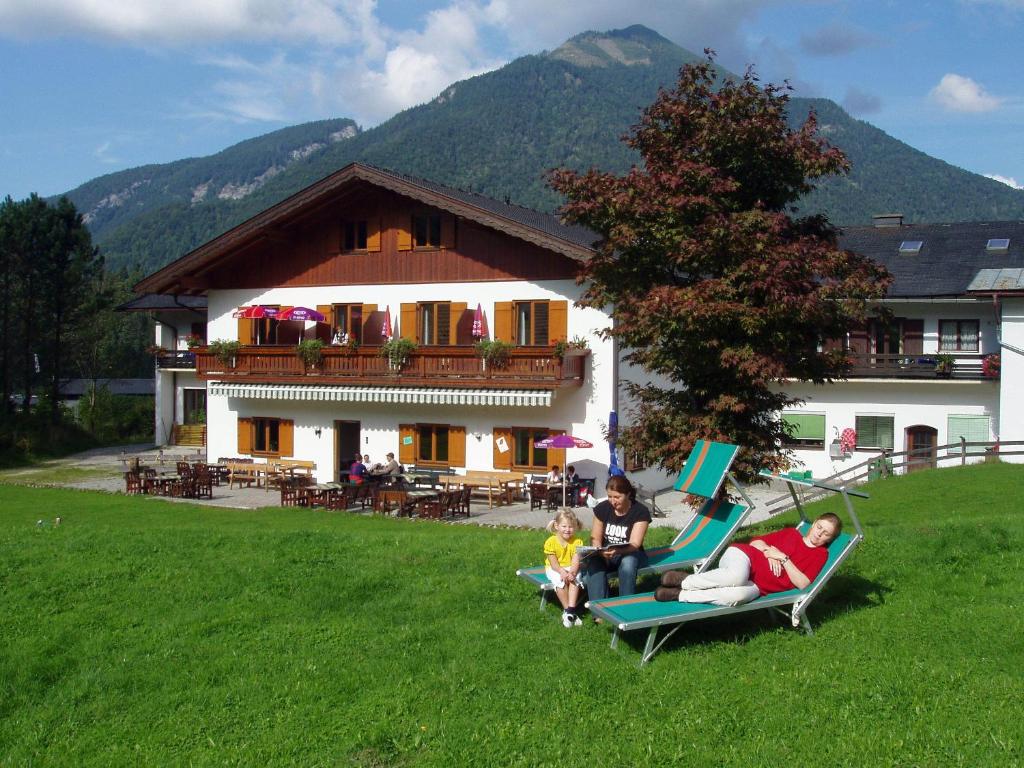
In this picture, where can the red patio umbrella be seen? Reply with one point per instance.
(386, 330)
(563, 441)
(300, 313)
(255, 312)
(480, 323)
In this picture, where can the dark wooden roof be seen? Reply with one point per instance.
(531, 226)
(951, 255)
(166, 302)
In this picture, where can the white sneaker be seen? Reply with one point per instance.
(577, 621)
(567, 621)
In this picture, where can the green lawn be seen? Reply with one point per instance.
(141, 632)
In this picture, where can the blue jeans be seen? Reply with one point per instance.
(598, 568)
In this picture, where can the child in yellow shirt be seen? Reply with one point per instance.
(562, 563)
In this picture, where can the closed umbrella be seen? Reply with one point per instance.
(563, 441)
(255, 312)
(300, 313)
(386, 331)
(480, 323)
(613, 435)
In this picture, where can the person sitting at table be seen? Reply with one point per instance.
(390, 467)
(572, 485)
(357, 471)
(554, 477)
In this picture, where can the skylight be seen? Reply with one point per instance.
(998, 244)
(911, 246)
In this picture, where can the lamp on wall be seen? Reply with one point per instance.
(318, 431)
(478, 435)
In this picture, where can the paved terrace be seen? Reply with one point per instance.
(102, 470)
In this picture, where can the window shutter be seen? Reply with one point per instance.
(373, 234)
(408, 328)
(913, 337)
(447, 231)
(457, 446)
(244, 436)
(558, 321)
(326, 329)
(462, 322)
(556, 456)
(874, 431)
(502, 460)
(503, 325)
(403, 232)
(805, 426)
(246, 331)
(973, 429)
(369, 331)
(444, 324)
(286, 437)
(407, 444)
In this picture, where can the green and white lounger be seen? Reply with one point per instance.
(700, 541)
(706, 533)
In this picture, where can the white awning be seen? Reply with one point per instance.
(415, 395)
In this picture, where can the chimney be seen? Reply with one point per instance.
(888, 220)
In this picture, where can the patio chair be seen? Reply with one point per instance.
(705, 534)
(203, 482)
(644, 612)
(132, 483)
(538, 495)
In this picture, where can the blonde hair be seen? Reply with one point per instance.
(564, 514)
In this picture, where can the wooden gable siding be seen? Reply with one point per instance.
(309, 253)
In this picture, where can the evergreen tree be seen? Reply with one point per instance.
(713, 287)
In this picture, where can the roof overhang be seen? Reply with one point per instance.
(401, 395)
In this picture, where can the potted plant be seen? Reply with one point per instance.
(990, 366)
(397, 352)
(577, 344)
(156, 350)
(193, 340)
(310, 351)
(944, 365)
(493, 352)
(226, 350)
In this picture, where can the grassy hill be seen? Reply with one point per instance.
(498, 134)
(146, 632)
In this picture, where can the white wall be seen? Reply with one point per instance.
(1011, 402)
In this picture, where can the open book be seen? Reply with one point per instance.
(587, 551)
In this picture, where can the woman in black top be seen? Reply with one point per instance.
(619, 519)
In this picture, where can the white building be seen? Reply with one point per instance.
(364, 244)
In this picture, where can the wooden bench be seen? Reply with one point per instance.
(495, 483)
(243, 474)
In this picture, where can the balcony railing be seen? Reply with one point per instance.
(527, 368)
(964, 366)
(182, 359)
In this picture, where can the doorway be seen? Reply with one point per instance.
(346, 446)
(194, 406)
(921, 442)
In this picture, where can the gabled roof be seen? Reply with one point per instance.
(531, 226)
(166, 302)
(950, 257)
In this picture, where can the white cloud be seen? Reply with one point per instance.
(1007, 180)
(961, 94)
(102, 153)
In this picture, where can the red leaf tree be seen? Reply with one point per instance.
(718, 291)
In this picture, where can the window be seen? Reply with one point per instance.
(806, 430)
(531, 318)
(426, 230)
(524, 454)
(432, 444)
(958, 335)
(266, 436)
(874, 432)
(435, 322)
(911, 246)
(973, 429)
(355, 238)
(348, 319)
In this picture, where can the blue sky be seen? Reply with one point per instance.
(89, 88)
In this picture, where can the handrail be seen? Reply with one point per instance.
(964, 365)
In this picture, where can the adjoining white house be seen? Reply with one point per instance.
(365, 246)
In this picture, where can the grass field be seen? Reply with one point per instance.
(141, 632)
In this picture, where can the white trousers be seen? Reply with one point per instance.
(728, 584)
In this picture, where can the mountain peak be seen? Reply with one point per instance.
(633, 46)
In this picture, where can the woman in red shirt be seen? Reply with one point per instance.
(776, 562)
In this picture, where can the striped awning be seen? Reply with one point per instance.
(412, 395)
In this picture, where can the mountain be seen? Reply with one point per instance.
(497, 134)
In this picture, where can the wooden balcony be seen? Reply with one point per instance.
(176, 360)
(965, 366)
(527, 368)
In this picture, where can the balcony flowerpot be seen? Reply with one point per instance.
(226, 351)
(310, 351)
(397, 352)
(493, 354)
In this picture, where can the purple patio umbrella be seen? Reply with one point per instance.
(563, 441)
(300, 313)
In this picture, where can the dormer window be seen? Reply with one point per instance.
(911, 246)
(426, 230)
(355, 235)
(998, 245)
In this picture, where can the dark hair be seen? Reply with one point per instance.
(620, 484)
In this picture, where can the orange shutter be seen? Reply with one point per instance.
(456, 446)
(407, 444)
(558, 321)
(461, 327)
(286, 437)
(246, 331)
(371, 325)
(403, 231)
(556, 456)
(373, 234)
(503, 325)
(244, 437)
(407, 328)
(325, 330)
(503, 460)
(327, 310)
(447, 231)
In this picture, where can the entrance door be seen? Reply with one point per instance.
(921, 442)
(346, 446)
(194, 406)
